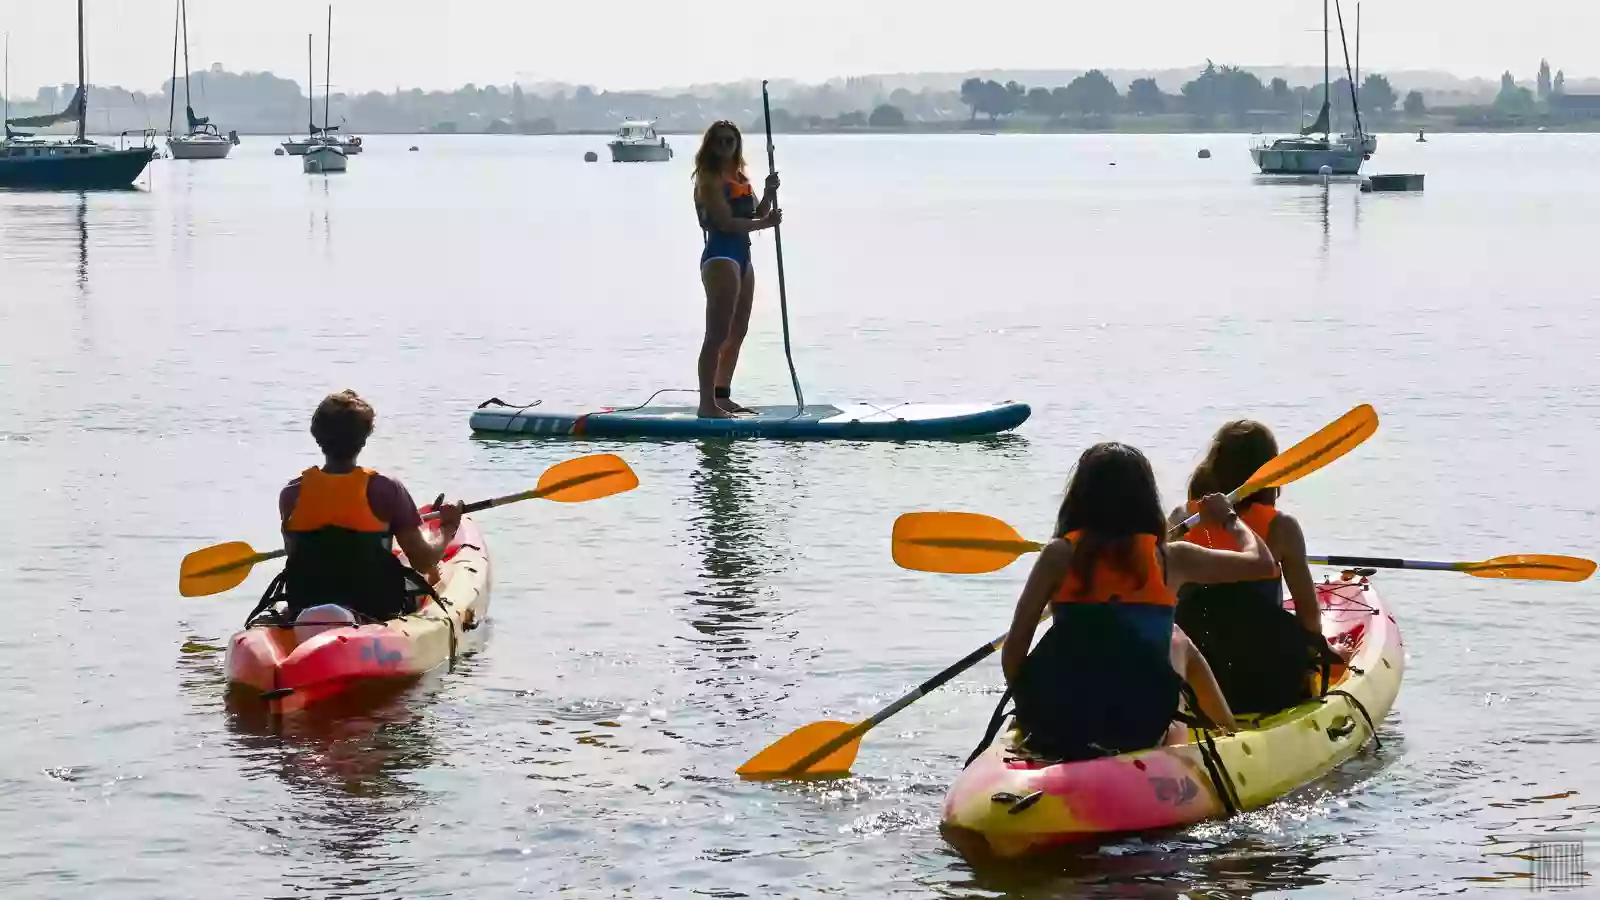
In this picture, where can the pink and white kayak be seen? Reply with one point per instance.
(1006, 805)
(326, 655)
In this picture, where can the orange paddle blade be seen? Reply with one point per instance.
(792, 749)
(586, 478)
(959, 543)
(1331, 442)
(1532, 566)
(217, 569)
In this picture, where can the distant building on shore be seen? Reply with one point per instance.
(1575, 107)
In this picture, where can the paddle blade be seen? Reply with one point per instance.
(1331, 442)
(1532, 567)
(794, 747)
(215, 569)
(956, 542)
(586, 478)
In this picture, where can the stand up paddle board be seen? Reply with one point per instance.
(819, 421)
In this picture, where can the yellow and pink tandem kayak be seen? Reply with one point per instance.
(1005, 804)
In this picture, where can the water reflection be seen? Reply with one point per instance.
(733, 549)
(82, 219)
(1155, 870)
(347, 809)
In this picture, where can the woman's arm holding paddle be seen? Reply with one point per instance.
(1193, 564)
(1048, 570)
(769, 196)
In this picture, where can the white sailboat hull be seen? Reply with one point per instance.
(350, 146)
(324, 159)
(207, 147)
(628, 151)
(1340, 160)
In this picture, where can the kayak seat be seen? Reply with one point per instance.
(314, 620)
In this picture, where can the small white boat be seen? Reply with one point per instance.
(1303, 154)
(1306, 156)
(321, 153)
(203, 141)
(637, 141)
(323, 159)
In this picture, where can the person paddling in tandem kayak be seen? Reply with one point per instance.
(1263, 656)
(341, 521)
(728, 211)
(1112, 672)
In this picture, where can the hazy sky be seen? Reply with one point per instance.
(379, 44)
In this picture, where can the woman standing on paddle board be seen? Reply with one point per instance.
(1109, 674)
(726, 206)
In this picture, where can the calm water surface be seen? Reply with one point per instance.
(160, 352)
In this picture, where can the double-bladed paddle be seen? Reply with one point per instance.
(1521, 566)
(224, 566)
(967, 543)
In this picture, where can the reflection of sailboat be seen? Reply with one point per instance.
(26, 161)
(82, 220)
(203, 141)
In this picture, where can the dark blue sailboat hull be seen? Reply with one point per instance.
(105, 169)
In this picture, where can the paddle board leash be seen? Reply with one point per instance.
(777, 243)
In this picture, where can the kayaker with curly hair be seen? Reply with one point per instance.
(341, 522)
(1264, 657)
(1109, 675)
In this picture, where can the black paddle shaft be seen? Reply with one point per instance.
(777, 246)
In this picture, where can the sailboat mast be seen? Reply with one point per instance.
(172, 87)
(188, 101)
(327, 74)
(7, 114)
(83, 90)
(311, 93)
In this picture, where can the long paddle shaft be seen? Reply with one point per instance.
(225, 566)
(429, 517)
(1521, 566)
(777, 245)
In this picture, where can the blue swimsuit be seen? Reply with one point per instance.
(726, 245)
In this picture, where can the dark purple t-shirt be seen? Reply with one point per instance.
(388, 498)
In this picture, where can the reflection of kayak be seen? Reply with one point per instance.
(323, 656)
(856, 421)
(1005, 806)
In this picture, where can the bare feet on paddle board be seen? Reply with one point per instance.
(735, 408)
(714, 412)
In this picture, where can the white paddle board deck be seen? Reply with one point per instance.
(819, 421)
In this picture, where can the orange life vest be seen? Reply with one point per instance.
(334, 501)
(1258, 517)
(1112, 584)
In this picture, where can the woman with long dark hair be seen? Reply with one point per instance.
(726, 206)
(1264, 657)
(1109, 675)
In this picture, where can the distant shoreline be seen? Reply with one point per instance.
(1443, 126)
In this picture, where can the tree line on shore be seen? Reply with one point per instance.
(1219, 96)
